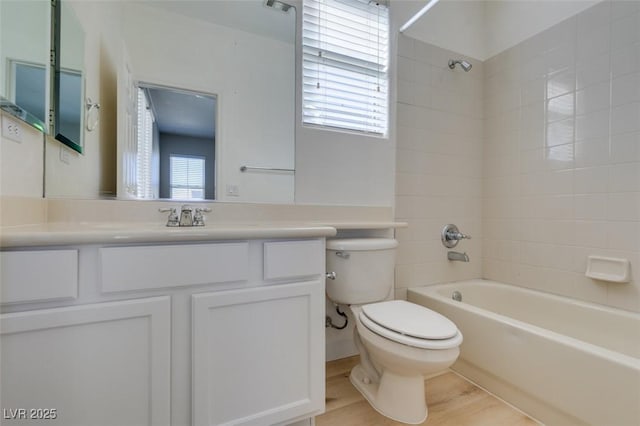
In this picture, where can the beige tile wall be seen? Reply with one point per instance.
(438, 163)
(562, 155)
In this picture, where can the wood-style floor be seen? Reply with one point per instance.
(451, 400)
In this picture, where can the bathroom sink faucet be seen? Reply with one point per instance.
(198, 217)
(188, 216)
(173, 219)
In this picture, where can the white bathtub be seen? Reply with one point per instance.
(562, 361)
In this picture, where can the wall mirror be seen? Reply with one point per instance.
(243, 53)
(239, 53)
(175, 139)
(24, 60)
(68, 77)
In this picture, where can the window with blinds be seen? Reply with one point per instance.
(345, 64)
(144, 186)
(186, 177)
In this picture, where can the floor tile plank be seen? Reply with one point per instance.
(452, 401)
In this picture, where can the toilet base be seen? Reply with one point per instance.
(400, 398)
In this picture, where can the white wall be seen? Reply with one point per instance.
(251, 75)
(21, 163)
(338, 167)
(562, 156)
(343, 168)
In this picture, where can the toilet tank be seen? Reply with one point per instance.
(364, 269)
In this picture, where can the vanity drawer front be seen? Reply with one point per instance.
(292, 259)
(29, 276)
(148, 267)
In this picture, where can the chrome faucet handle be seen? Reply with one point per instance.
(172, 220)
(198, 217)
(458, 236)
(451, 235)
(186, 215)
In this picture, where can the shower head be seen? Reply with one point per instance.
(466, 66)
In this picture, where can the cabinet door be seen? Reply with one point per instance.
(98, 364)
(258, 354)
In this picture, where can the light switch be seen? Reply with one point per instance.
(233, 190)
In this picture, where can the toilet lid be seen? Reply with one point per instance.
(410, 320)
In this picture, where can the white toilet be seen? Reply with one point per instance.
(399, 342)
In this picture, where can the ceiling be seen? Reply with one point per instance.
(476, 28)
(183, 113)
(483, 28)
(245, 15)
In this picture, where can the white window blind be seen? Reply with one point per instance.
(345, 64)
(187, 177)
(144, 186)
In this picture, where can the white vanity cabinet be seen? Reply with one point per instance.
(94, 364)
(258, 354)
(204, 333)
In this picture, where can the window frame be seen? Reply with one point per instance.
(188, 187)
(381, 126)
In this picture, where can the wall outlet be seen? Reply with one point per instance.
(64, 155)
(11, 129)
(233, 190)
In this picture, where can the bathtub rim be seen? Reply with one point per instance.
(599, 351)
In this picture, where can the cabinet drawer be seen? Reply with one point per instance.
(291, 259)
(139, 268)
(29, 276)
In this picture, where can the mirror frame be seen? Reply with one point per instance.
(56, 72)
(22, 114)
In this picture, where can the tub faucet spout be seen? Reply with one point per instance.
(454, 255)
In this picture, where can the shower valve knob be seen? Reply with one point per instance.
(451, 235)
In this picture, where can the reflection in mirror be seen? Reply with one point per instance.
(69, 112)
(241, 51)
(29, 87)
(24, 59)
(69, 78)
(175, 138)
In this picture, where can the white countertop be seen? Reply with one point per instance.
(122, 233)
(49, 234)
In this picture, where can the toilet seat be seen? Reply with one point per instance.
(410, 324)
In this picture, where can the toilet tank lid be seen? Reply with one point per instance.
(361, 244)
